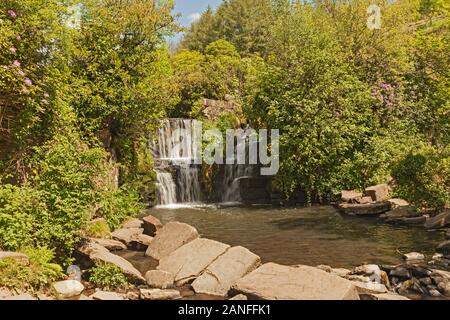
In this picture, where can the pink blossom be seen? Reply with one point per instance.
(12, 13)
(12, 50)
(46, 95)
(18, 37)
(28, 82)
(20, 73)
(16, 63)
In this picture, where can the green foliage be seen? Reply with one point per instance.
(423, 177)
(36, 275)
(98, 229)
(108, 276)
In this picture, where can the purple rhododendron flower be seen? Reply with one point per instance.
(12, 13)
(28, 82)
(16, 63)
(20, 73)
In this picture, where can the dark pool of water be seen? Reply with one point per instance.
(311, 236)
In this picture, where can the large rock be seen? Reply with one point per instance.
(159, 279)
(127, 235)
(172, 236)
(151, 225)
(400, 213)
(188, 261)
(109, 244)
(351, 196)
(378, 193)
(276, 282)
(19, 257)
(24, 296)
(68, 289)
(133, 223)
(414, 256)
(96, 253)
(158, 294)
(106, 295)
(220, 275)
(141, 242)
(365, 209)
(398, 203)
(440, 221)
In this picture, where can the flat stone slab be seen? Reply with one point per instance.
(351, 196)
(187, 262)
(109, 244)
(133, 223)
(168, 239)
(20, 257)
(106, 295)
(440, 221)
(276, 282)
(126, 235)
(220, 275)
(96, 253)
(159, 279)
(365, 209)
(158, 294)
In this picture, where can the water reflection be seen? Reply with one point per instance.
(312, 236)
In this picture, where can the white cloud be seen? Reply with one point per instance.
(194, 16)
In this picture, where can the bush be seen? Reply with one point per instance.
(98, 229)
(108, 276)
(37, 275)
(423, 177)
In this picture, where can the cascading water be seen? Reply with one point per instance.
(176, 173)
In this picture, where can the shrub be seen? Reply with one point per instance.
(108, 276)
(423, 177)
(37, 275)
(98, 229)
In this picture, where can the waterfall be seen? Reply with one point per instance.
(177, 177)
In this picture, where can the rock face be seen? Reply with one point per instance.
(151, 225)
(351, 196)
(220, 275)
(96, 252)
(188, 261)
(172, 236)
(126, 235)
(378, 193)
(19, 257)
(276, 282)
(440, 221)
(68, 289)
(109, 244)
(106, 295)
(133, 223)
(159, 279)
(158, 294)
(365, 209)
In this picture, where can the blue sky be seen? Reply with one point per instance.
(191, 10)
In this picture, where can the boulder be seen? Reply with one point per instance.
(151, 225)
(110, 244)
(413, 256)
(188, 261)
(126, 235)
(370, 287)
(378, 193)
(396, 203)
(440, 221)
(67, 289)
(106, 295)
(351, 196)
(24, 296)
(133, 223)
(141, 242)
(5, 293)
(220, 275)
(365, 200)
(19, 257)
(444, 288)
(158, 294)
(370, 270)
(96, 253)
(172, 236)
(276, 282)
(159, 279)
(444, 247)
(386, 296)
(400, 213)
(365, 209)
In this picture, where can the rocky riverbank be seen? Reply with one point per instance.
(179, 264)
